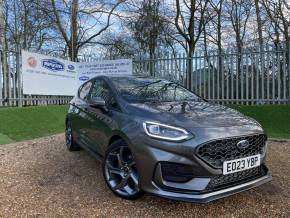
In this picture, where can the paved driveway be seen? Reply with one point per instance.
(41, 178)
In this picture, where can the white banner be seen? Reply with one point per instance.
(45, 75)
(113, 67)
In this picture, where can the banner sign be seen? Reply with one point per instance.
(45, 75)
(113, 67)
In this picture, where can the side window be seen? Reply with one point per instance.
(85, 89)
(101, 89)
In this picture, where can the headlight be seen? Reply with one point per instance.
(166, 132)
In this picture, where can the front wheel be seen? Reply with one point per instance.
(120, 172)
(69, 139)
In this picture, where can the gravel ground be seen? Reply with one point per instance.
(41, 178)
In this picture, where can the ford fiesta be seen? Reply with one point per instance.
(155, 136)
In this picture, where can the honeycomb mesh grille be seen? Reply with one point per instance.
(238, 177)
(216, 152)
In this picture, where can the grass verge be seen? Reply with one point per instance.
(4, 139)
(17, 124)
(274, 118)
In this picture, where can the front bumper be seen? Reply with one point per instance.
(207, 197)
(149, 153)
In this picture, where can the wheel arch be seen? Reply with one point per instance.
(117, 135)
(114, 138)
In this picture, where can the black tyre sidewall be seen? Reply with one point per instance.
(73, 146)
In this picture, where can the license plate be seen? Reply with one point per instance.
(241, 164)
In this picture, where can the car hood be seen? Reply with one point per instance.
(190, 114)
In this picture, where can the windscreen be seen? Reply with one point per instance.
(148, 89)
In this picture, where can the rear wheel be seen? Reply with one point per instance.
(120, 172)
(69, 140)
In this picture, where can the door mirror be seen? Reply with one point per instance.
(97, 102)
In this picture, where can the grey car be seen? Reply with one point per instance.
(155, 136)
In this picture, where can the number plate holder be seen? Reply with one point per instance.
(241, 164)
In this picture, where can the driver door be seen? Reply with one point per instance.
(103, 119)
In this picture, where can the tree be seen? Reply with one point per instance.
(217, 22)
(80, 22)
(119, 45)
(147, 26)
(259, 23)
(149, 29)
(279, 15)
(26, 25)
(190, 20)
(239, 12)
(2, 26)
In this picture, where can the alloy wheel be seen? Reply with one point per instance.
(121, 173)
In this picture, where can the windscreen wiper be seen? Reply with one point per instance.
(148, 84)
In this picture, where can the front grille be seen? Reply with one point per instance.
(221, 181)
(216, 152)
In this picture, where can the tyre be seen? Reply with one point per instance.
(69, 140)
(120, 172)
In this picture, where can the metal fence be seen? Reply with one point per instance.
(256, 76)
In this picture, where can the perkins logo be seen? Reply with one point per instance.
(84, 78)
(71, 67)
(52, 64)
